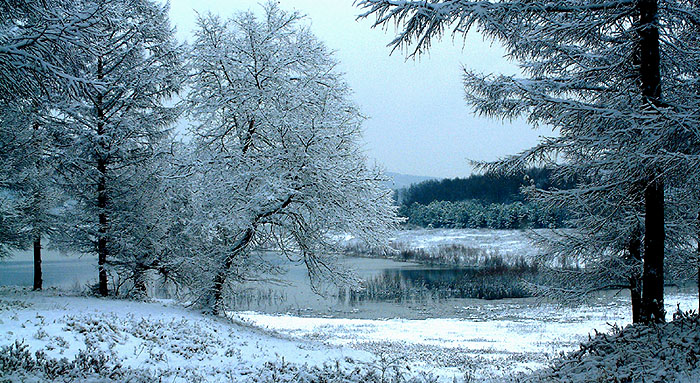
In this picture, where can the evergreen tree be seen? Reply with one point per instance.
(115, 126)
(595, 71)
(38, 42)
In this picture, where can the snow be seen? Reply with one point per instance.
(665, 352)
(489, 341)
(479, 339)
(505, 242)
(158, 335)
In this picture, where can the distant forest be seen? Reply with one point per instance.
(480, 201)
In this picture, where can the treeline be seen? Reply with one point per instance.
(488, 188)
(481, 201)
(475, 214)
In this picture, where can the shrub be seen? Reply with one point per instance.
(665, 352)
(17, 363)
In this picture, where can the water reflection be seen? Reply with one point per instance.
(417, 285)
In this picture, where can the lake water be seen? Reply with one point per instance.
(414, 291)
(58, 270)
(391, 290)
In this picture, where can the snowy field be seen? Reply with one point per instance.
(489, 340)
(508, 337)
(505, 242)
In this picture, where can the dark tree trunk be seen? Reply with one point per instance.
(102, 250)
(219, 281)
(654, 236)
(36, 208)
(698, 261)
(36, 238)
(653, 274)
(37, 262)
(635, 280)
(220, 278)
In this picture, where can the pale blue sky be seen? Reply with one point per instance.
(418, 121)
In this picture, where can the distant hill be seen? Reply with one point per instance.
(405, 180)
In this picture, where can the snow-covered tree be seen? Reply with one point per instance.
(11, 222)
(278, 152)
(38, 39)
(616, 79)
(603, 250)
(32, 179)
(38, 62)
(116, 122)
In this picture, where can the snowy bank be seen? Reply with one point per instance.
(135, 340)
(53, 336)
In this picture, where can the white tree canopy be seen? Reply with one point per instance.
(278, 144)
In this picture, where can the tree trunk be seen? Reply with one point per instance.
(698, 261)
(37, 199)
(140, 277)
(654, 237)
(36, 237)
(218, 289)
(220, 278)
(102, 250)
(635, 280)
(653, 274)
(37, 262)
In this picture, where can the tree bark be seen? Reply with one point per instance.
(102, 250)
(36, 235)
(140, 281)
(654, 237)
(653, 274)
(37, 262)
(37, 199)
(220, 278)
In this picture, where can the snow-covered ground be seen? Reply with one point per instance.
(490, 340)
(157, 336)
(183, 345)
(454, 338)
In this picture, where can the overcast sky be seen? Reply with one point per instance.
(418, 121)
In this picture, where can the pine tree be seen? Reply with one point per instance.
(116, 123)
(595, 71)
(38, 42)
